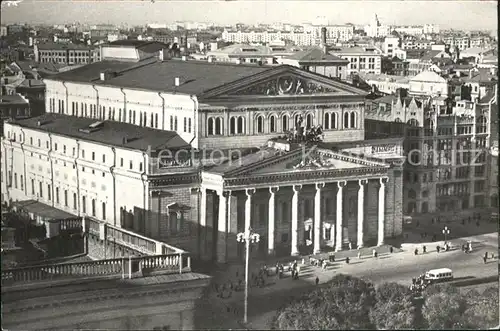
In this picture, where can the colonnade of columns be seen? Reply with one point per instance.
(225, 206)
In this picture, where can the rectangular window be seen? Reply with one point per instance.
(171, 123)
(57, 195)
(15, 180)
(55, 146)
(103, 158)
(175, 123)
(185, 124)
(189, 125)
(84, 204)
(49, 192)
(131, 165)
(140, 166)
(64, 149)
(21, 182)
(93, 156)
(93, 207)
(83, 153)
(75, 202)
(33, 186)
(121, 162)
(65, 198)
(156, 121)
(40, 193)
(103, 210)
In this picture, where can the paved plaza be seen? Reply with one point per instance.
(400, 266)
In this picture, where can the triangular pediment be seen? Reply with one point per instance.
(283, 81)
(312, 159)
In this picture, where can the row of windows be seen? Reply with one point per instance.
(215, 125)
(137, 118)
(65, 203)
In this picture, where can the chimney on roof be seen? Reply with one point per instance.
(177, 81)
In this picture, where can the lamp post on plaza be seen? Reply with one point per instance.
(247, 237)
(446, 232)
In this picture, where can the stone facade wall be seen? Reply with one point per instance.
(133, 307)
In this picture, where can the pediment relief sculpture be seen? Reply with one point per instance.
(315, 161)
(286, 85)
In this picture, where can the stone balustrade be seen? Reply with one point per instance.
(119, 268)
(70, 223)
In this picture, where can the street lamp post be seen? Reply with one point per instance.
(446, 232)
(247, 237)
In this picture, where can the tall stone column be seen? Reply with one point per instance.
(272, 225)
(222, 227)
(317, 218)
(295, 220)
(361, 211)
(339, 223)
(203, 221)
(248, 208)
(381, 211)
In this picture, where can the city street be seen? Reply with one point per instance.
(396, 267)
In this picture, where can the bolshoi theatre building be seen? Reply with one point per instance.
(192, 153)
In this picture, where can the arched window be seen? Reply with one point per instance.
(272, 123)
(412, 194)
(260, 124)
(284, 123)
(210, 126)
(353, 120)
(140, 118)
(296, 119)
(241, 124)
(309, 121)
(173, 222)
(327, 120)
(346, 120)
(232, 125)
(218, 126)
(333, 121)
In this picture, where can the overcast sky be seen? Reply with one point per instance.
(467, 14)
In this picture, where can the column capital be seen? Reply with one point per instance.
(250, 191)
(384, 180)
(297, 187)
(362, 182)
(274, 189)
(341, 183)
(319, 186)
(223, 193)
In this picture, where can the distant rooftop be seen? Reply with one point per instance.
(354, 50)
(112, 133)
(63, 46)
(13, 99)
(196, 77)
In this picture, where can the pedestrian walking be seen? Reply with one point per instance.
(424, 249)
(359, 254)
(350, 245)
(484, 259)
(438, 249)
(317, 280)
(391, 249)
(486, 255)
(374, 253)
(347, 260)
(416, 251)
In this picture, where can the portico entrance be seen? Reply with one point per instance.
(273, 205)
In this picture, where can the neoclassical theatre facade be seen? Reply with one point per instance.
(299, 197)
(241, 169)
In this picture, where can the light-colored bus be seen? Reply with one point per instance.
(439, 275)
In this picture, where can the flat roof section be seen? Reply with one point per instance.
(112, 133)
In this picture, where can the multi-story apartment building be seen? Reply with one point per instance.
(245, 53)
(462, 42)
(362, 60)
(431, 29)
(429, 83)
(447, 147)
(13, 106)
(388, 84)
(376, 29)
(416, 30)
(334, 33)
(265, 36)
(417, 44)
(70, 54)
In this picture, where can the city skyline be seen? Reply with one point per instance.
(469, 15)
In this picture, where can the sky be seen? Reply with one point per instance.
(467, 14)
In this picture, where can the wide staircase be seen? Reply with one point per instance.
(111, 252)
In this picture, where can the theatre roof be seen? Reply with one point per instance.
(112, 133)
(202, 78)
(195, 76)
